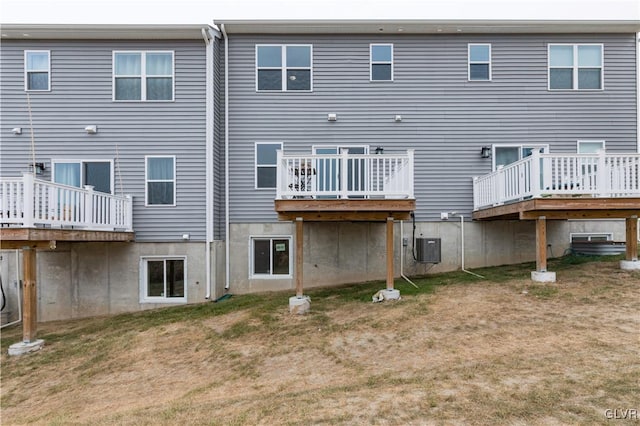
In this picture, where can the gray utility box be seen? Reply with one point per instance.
(428, 250)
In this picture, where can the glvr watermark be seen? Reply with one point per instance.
(622, 414)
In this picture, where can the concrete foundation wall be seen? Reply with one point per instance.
(344, 252)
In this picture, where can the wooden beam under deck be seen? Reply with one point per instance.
(21, 235)
(563, 208)
(345, 210)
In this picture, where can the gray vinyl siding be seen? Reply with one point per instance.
(445, 117)
(81, 95)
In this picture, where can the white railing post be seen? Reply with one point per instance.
(602, 183)
(280, 168)
(87, 212)
(535, 173)
(410, 153)
(28, 204)
(128, 213)
(343, 174)
(500, 185)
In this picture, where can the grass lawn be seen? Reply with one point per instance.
(458, 350)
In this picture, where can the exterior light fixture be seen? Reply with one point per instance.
(332, 117)
(379, 150)
(397, 118)
(92, 129)
(17, 130)
(39, 168)
(485, 152)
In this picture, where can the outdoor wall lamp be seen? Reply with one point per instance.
(92, 129)
(379, 150)
(39, 167)
(17, 130)
(485, 152)
(332, 117)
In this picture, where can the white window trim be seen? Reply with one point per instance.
(143, 281)
(26, 71)
(283, 69)
(580, 141)
(81, 161)
(575, 67)
(143, 75)
(146, 181)
(608, 235)
(256, 165)
(545, 148)
(470, 62)
(254, 276)
(372, 63)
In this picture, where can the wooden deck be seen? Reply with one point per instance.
(347, 210)
(17, 238)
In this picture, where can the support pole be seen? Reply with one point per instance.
(541, 274)
(299, 256)
(541, 244)
(29, 301)
(632, 239)
(389, 253)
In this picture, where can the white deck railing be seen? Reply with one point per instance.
(345, 175)
(28, 202)
(540, 175)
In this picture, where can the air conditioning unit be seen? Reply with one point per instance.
(428, 250)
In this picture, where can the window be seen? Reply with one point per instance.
(163, 279)
(283, 68)
(78, 173)
(266, 167)
(37, 70)
(161, 181)
(590, 147)
(381, 58)
(143, 76)
(479, 62)
(270, 257)
(575, 66)
(510, 153)
(577, 237)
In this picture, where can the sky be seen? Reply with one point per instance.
(204, 12)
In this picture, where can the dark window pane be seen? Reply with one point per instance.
(266, 177)
(589, 78)
(298, 56)
(98, 175)
(128, 89)
(298, 80)
(159, 89)
(507, 155)
(155, 278)
(561, 78)
(261, 256)
(38, 81)
(160, 193)
(175, 278)
(266, 153)
(381, 72)
(479, 71)
(281, 257)
(269, 80)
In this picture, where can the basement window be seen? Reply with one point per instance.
(580, 237)
(270, 257)
(163, 279)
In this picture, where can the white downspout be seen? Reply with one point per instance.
(226, 158)
(209, 160)
(638, 90)
(462, 247)
(402, 256)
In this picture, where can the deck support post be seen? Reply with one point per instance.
(389, 293)
(29, 306)
(541, 274)
(299, 304)
(631, 259)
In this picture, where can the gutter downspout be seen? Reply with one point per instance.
(462, 247)
(402, 256)
(638, 90)
(209, 160)
(226, 158)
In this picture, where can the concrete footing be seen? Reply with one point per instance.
(630, 265)
(386, 294)
(25, 347)
(543, 277)
(299, 305)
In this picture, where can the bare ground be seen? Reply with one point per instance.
(470, 353)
